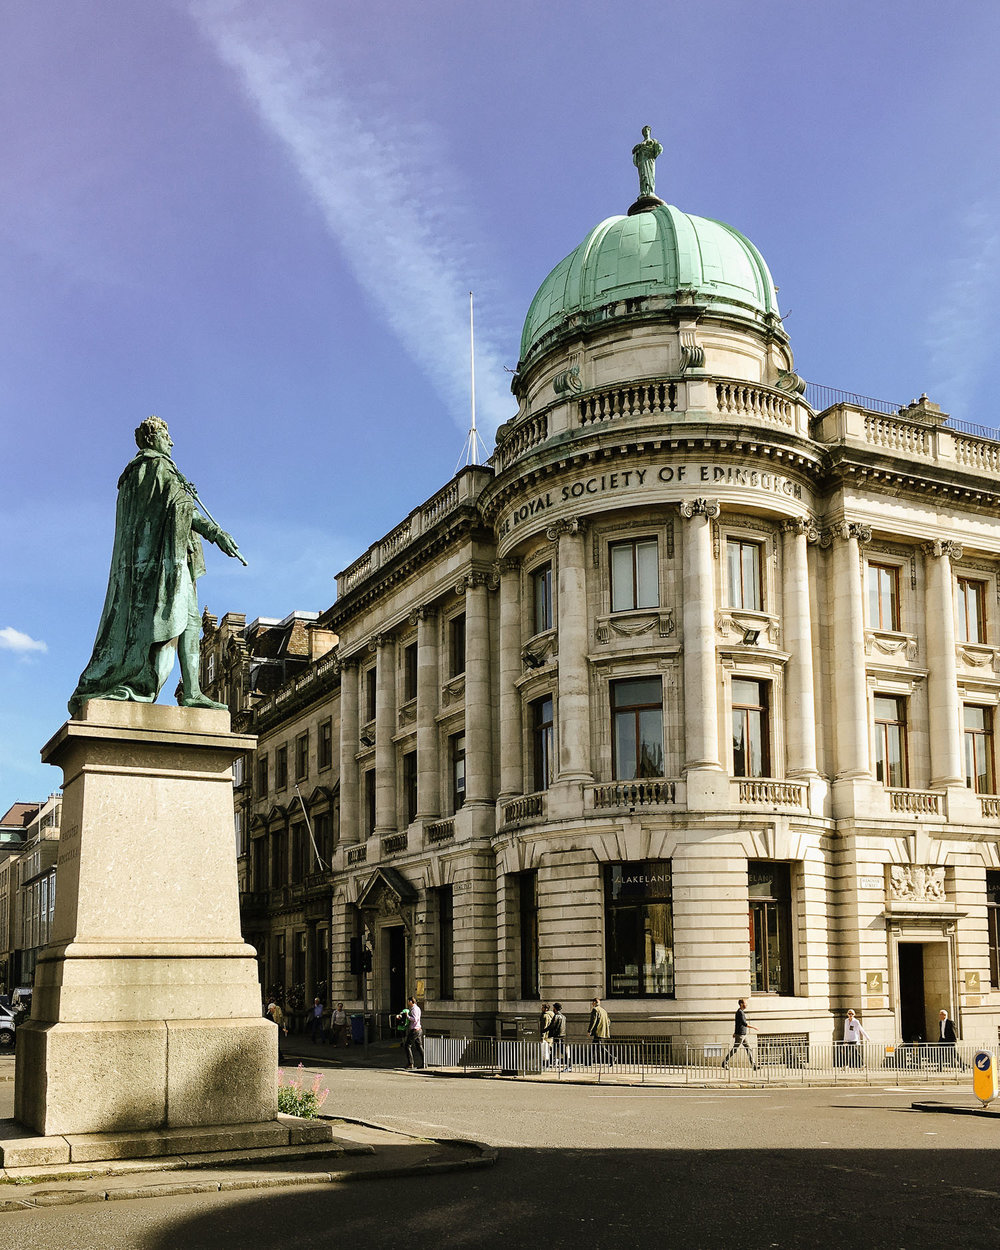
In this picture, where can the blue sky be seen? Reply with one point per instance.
(261, 221)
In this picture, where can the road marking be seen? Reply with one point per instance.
(679, 1097)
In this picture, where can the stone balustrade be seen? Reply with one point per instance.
(357, 854)
(441, 830)
(989, 806)
(647, 792)
(526, 807)
(916, 802)
(393, 843)
(765, 792)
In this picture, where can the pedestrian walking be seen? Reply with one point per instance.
(316, 1020)
(338, 1026)
(278, 1016)
(557, 1035)
(413, 1038)
(853, 1033)
(947, 1043)
(544, 1020)
(740, 1026)
(599, 1029)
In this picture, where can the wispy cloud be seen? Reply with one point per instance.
(386, 193)
(13, 640)
(962, 328)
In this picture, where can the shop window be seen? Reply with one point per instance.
(883, 596)
(751, 728)
(541, 598)
(456, 644)
(446, 942)
(409, 672)
(410, 786)
(978, 731)
(527, 904)
(890, 740)
(639, 930)
(744, 562)
(637, 717)
(457, 757)
(993, 924)
(770, 892)
(302, 756)
(635, 578)
(324, 744)
(281, 768)
(542, 742)
(971, 610)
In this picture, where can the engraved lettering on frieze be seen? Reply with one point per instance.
(916, 883)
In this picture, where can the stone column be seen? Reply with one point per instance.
(796, 623)
(350, 826)
(942, 679)
(511, 720)
(428, 698)
(478, 703)
(701, 702)
(385, 728)
(850, 687)
(574, 674)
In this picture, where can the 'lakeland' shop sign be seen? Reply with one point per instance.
(638, 480)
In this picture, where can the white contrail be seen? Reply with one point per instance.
(962, 338)
(383, 194)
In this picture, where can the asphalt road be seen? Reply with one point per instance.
(602, 1167)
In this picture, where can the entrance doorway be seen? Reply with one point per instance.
(924, 988)
(394, 967)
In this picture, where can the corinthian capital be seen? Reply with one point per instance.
(569, 525)
(801, 525)
(942, 547)
(845, 530)
(700, 507)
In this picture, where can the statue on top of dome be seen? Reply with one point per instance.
(644, 156)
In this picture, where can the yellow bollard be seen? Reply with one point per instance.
(984, 1077)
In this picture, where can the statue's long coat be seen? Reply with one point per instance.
(156, 561)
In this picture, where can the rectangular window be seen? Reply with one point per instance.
(542, 742)
(238, 827)
(770, 891)
(278, 972)
(883, 596)
(299, 959)
(744, 564)
(456, 644)
(541, 598)
(370, 801)
(527, 903)
(457, 757)
(210, 669)
(979, 774)
(410, 786)
(279, 858)
(281, 768)
(410, 672)
(971, 610)
(239, 770)
(751, 731)
(324, 744)
(446, 942)
(298, 851)
(993, 924)
(262, 775)
(635, 578)
(323, 829)
(637, 716)
(258, 869)
(639, 929)
(890, 740)
(371, 687)
(302, 757)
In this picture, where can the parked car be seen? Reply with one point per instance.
(7, 1027)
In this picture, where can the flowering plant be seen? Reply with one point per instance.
(294, 1100)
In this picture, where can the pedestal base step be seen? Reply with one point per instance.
(19, 1151)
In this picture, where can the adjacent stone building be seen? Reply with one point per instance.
(690, 693)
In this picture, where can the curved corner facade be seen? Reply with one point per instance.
(689, 695)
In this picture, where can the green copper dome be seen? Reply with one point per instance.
(657, 252)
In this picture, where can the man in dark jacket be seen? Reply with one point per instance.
(740, 1026)
(946, 1041)
(557, 1035)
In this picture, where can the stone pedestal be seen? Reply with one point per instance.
(146, 1011)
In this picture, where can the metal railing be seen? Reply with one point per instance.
(663, 1061)
(821, 397)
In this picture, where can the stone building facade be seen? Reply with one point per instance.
(689, 694)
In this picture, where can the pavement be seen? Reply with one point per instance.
(360, 1151)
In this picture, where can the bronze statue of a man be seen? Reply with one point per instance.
(151, 608)
(644, 156)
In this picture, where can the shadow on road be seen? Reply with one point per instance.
(694, 1199)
